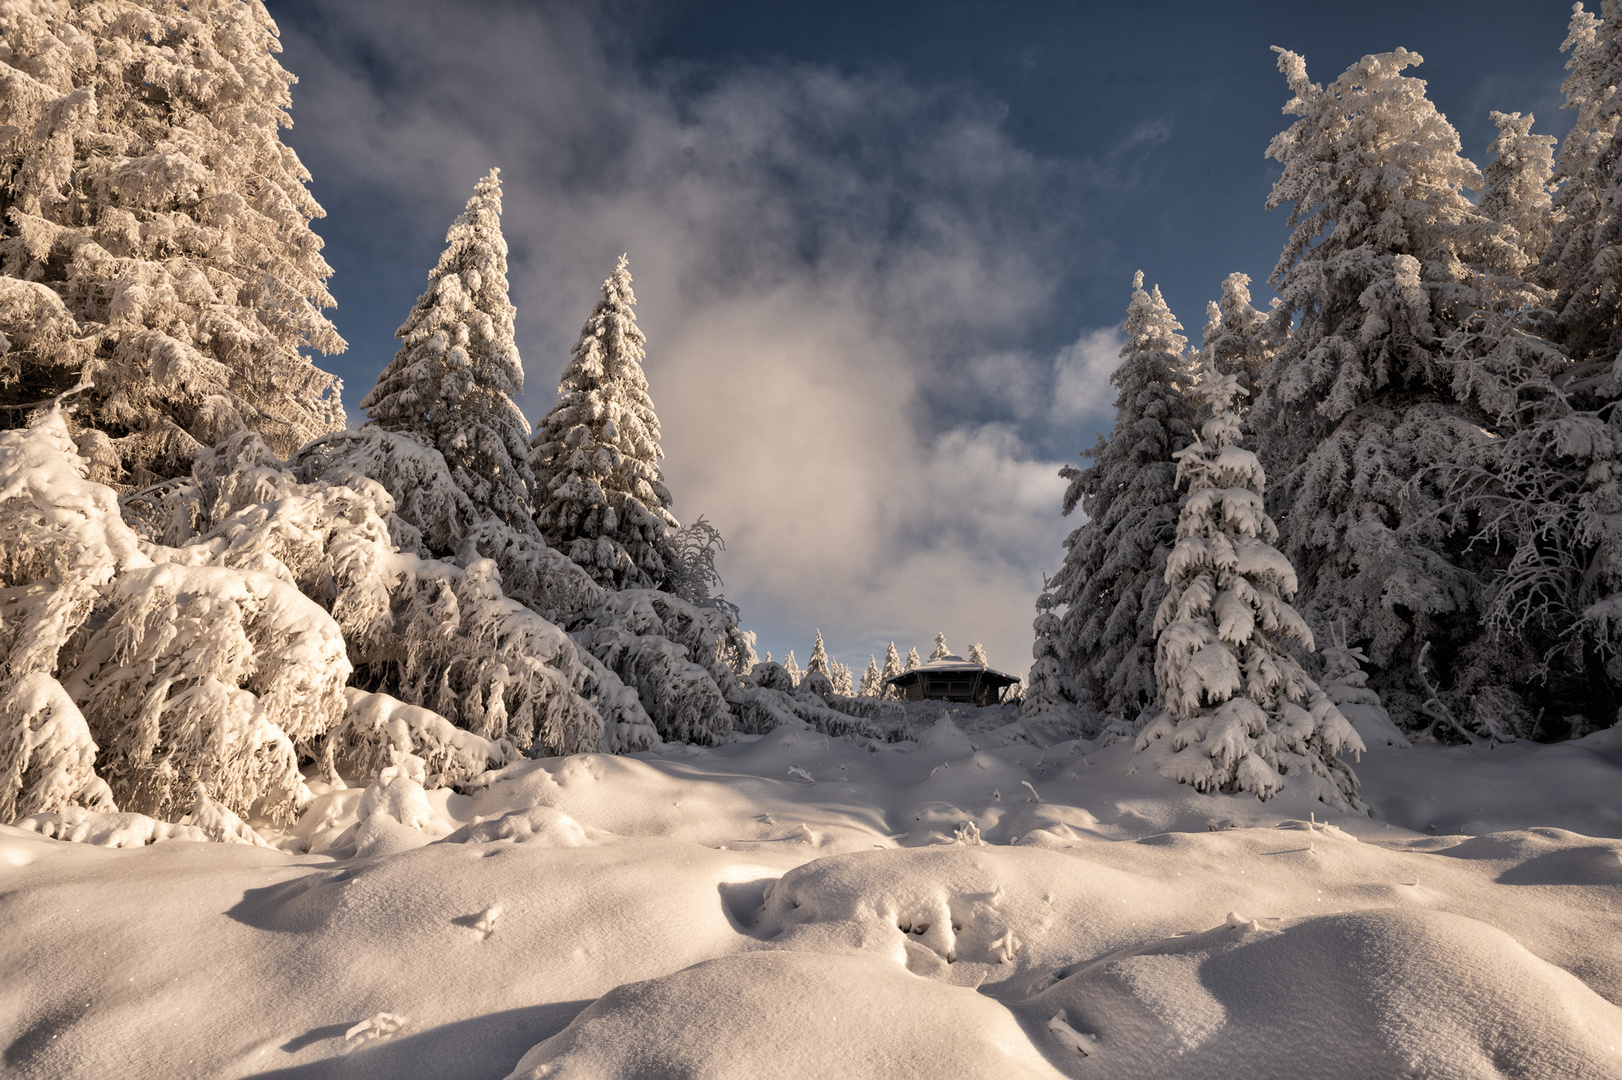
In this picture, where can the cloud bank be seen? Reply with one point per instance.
(838, 272)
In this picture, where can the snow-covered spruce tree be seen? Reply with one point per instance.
(843, 680)
(1237, 711)
(977, 655)
(872, 679)
(451, 385)
(1577, 263)
(143, 182)
(1236, 333)
(1356, 419)
(942, 651)
(1113, 575)
(819, 662)
(600, 495)
(912, 659)
(1517, 192)
(792, 666)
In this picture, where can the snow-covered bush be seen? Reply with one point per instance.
(46, 751)
(681, 659)
(1238, 711)
(378, 729)
(210, 674)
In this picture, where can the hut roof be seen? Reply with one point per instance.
(952, 678)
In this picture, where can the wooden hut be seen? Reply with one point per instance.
(952, 678)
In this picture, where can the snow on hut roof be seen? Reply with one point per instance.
(950, 663)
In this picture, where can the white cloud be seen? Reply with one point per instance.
(1081, 386)
(821, 259)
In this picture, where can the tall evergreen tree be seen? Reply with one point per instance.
(1240, 713)
(1356, 415)
(1586, 225)
(1516, 193)
(451, 385)
(601, 496)
(792, 666)
(912, 659)
(1112, 578)
(155, 242)
(941, 650)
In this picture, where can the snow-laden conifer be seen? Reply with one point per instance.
(792, 666)
(1585, 227)
(843, 679)
(451, 385)
(942, 650)
(1113, 574)
(819, 661)
(600, 494)
(1238, 711)
(977, 655)
(1356, 418)
(872, 679)
(892, 667)
(1048, 684)
(144, 182)
(912, 659)
(1236, 334)
(1516, 191)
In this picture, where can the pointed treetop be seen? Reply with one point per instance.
(912, 659)
(941, 651)
(452, 384)
(819, 658)
(601, 496)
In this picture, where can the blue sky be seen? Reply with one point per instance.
(881, 250)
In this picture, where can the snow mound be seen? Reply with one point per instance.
(788, 1014)
(1372, 993)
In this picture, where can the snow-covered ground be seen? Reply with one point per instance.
(972, 904)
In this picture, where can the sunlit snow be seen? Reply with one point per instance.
(971, 903)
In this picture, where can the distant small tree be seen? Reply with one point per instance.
(792, 666)
(1236, 334)
(892, 668)
(819, 659)
(844, 684)
(452, 384)
(872, 679)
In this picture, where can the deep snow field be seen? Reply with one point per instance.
(972, 904)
